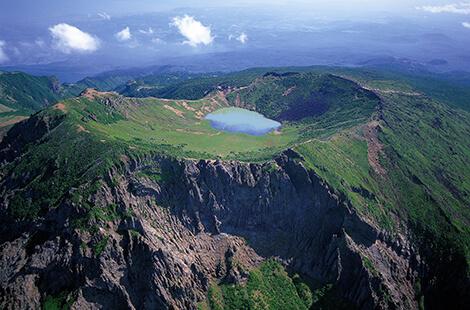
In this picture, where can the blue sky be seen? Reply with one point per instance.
(22, 10)
(114, 33)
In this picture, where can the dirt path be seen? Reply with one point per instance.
(12, 121)
(174, 110)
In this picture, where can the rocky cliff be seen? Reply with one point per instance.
(165, 229)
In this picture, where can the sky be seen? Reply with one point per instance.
(91, 36)
(24, 10)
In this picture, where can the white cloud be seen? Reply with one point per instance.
(455, 8)
(124, 34)
(466, 24)
(242, 38)
(104, 16)
(3, 55)
(147, 31)
(40, 43)
(194, 31)
(70, 39)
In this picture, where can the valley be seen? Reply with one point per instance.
(153, 123)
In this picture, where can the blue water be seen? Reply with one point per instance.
(242, 121)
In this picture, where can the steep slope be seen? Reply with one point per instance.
(186, 86)
(408, 167)
(22, 94)
(137, 82)
(21, 91)
(138, 203)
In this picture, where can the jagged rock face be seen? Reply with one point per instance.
(188, 228)
(286, 211)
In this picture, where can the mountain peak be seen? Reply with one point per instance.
(92, 93)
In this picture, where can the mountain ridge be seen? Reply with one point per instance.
(86, 187)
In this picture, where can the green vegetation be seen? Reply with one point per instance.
(22, 94)
(107, 214)
(8, 119)
(423, 145)
(343, 162)
(52, 303)
(107, 83)
(326, 298)
(369, 265)
(156, 175)
(63, 301)
(425, 155)
(427, 151)
(94, 215)
(136, 82)
(268, 287)
(134, 233)
(320, 294)
(187, 86)
(450, 88)
(99, 246)
(50, 169)
(395, 155)
(203, 306)
(303, 290)
(21, 91)
(178, 128)
(296, 96)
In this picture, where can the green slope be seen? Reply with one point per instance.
(422, 178)
(179, 128)
(187, 86)
(109, 126)
(21, 91)
(423, 151)
(22, 94)
(399, 156)
(421, 141)
(268, 287)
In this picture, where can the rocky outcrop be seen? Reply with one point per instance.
(286, 211)
(188, 223)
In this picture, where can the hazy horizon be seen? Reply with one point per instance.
(88, 37)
